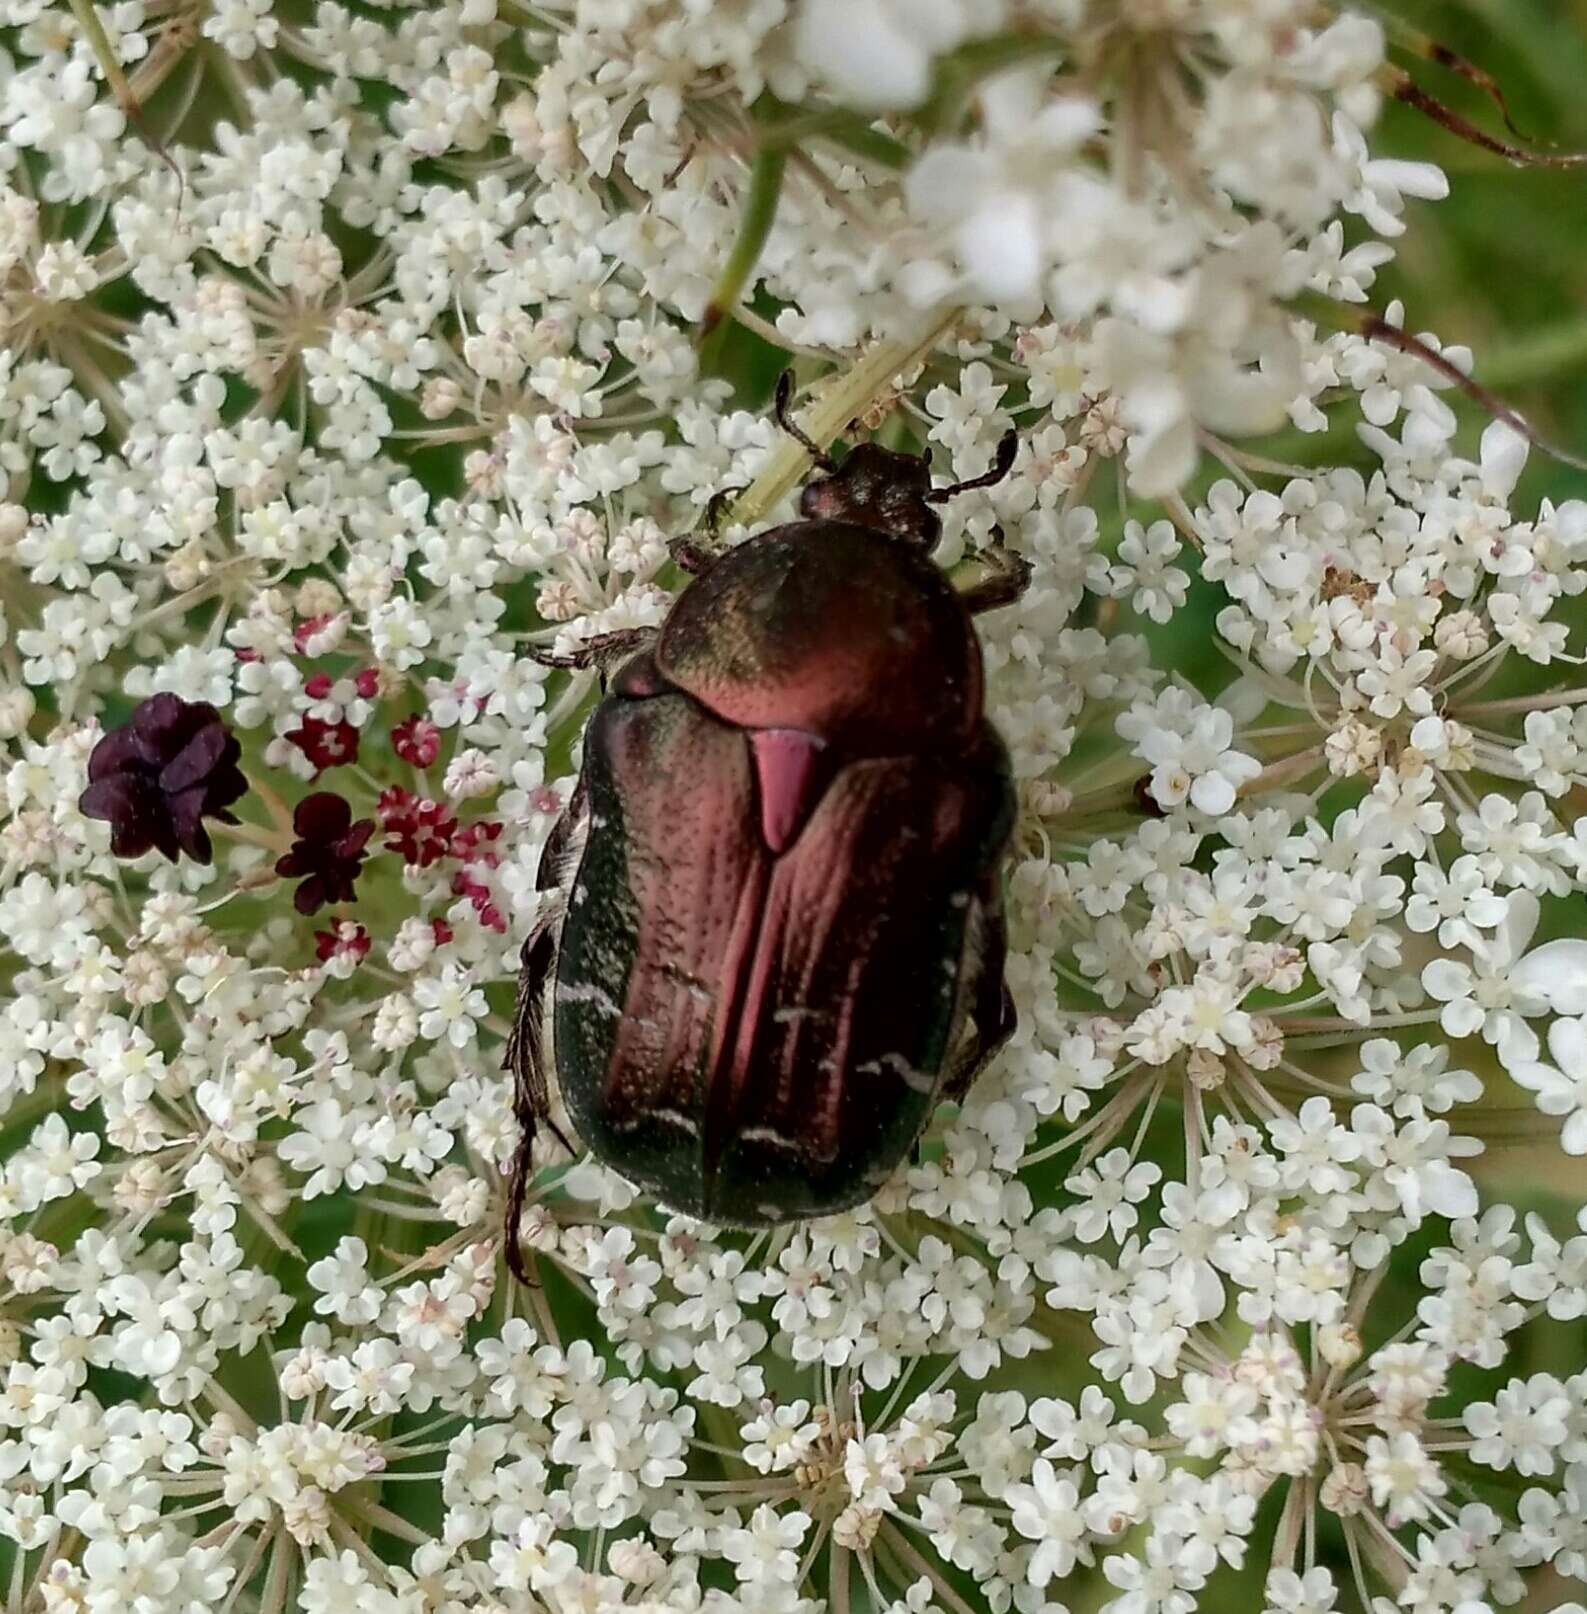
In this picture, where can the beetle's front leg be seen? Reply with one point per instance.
(1008, 578)
(691, 557)
(602, 650)
(694, 557)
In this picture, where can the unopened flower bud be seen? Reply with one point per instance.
(1345, 1490)
(1339, 1345)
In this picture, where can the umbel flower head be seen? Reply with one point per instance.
(156, 778)
(361, 412)
(328, 849)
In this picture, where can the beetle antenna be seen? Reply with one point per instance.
(794, 429)
(1001, 465)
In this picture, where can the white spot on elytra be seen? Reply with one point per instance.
(595, 996)
(918, 1081)
(796, 1012)
(766, 1134)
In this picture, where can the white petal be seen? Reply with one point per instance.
(1070, 120)
(1552, 1089)
(945, 183)
(1518, 927)
(1409, 178)
(1461, 1018)
(862, 55)
(1213, 794)
(1446, 978)
(1011, 102)
(1567, 1041)
(1485, 910)
(1555, 973)
(1448, 1192)
(1283, 568)
(1206, 1290)
(1573, 1136)
(1237, 767)
(1517, 1043)
(1001, 247)
(1503, 458)
(1161, 459)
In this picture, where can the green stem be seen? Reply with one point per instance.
(842, 128)
(760, 209)
(87, 15)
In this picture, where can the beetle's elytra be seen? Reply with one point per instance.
(783, 942)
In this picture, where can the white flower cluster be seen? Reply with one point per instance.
(384, 373)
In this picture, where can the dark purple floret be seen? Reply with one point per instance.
(326, 745)
(156, 778)
(328, 851)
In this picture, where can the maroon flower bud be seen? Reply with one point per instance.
(318, 686)
(420, 829)
(395, 806)
(345, 940)
(482, 900)
(328, 851)
(367, 682)
(320, 635)
(417, 741)
(326, 745)
(153, 780)
(475, 842)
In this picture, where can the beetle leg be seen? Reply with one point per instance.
(1008, 578)
(556, 854)
(602, 650)
(1002, 463)
(526, 1060)
(716, 509)
(992, 1016)
(525, 1054)
(691, 557)
(780, 408)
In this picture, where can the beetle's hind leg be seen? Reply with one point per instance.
(526, 1053)
(531, 1092)
(991, 1006)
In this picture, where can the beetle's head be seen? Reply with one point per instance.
(877, 487)
(892, 492)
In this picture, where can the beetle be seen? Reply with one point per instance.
(783, 941)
